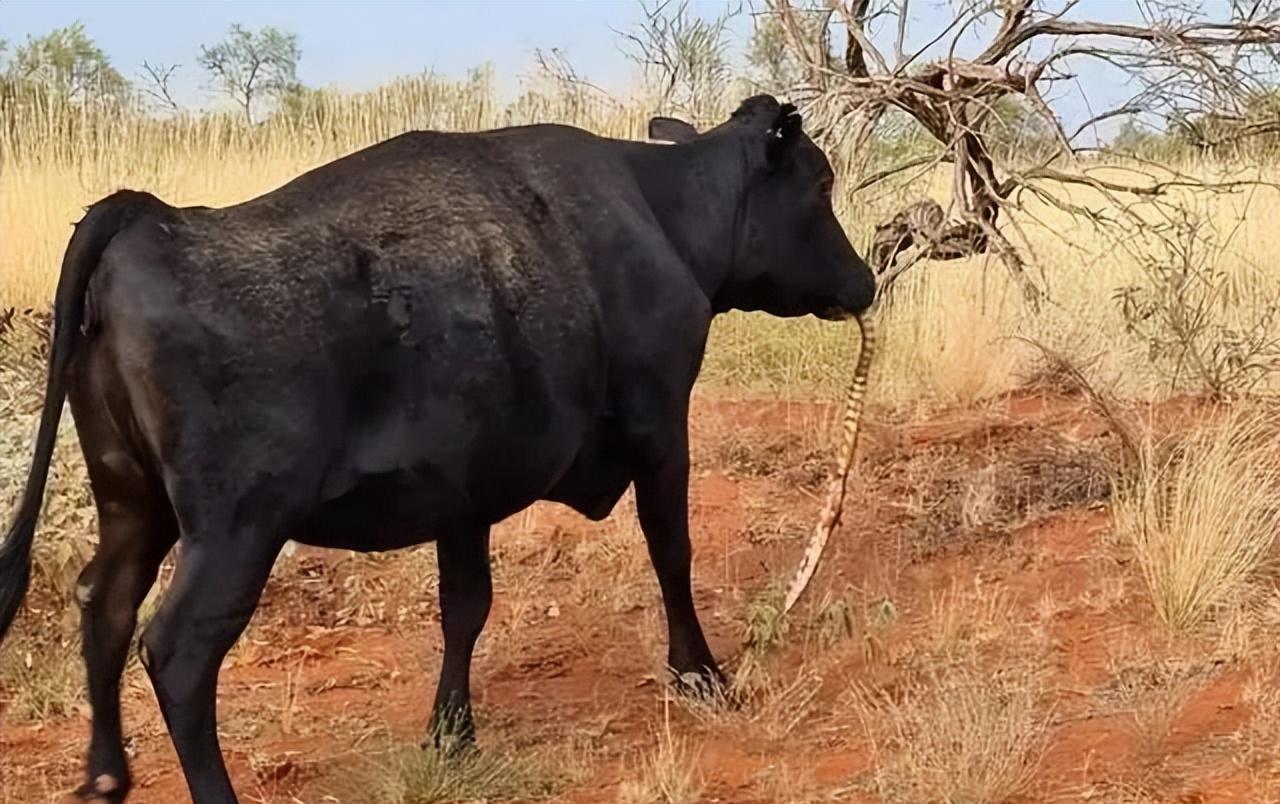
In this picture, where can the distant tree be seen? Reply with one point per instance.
(1253, 126)
(299, 100)
(1017, 130)
(1139, 138)
(67, 63)
(248, 66)
(312, 109)
(771, 54)
(684, 57)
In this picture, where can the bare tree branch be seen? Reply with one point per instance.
(155, 85)
(1186, 64)
(1201, 35)
(881, 175)
(859, 45)
(899, 55)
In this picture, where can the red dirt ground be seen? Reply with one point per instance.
(975, 539)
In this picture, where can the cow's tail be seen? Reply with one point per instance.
(92, 234)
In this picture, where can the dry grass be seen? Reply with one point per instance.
(513, 770)
(1153, 691)
(1259, 738)
(1202, 514)
(665, 774)
(41, 674)
(950, 327)
(69, 507)
(961, 620)
(620, 552)
(59, 158)
(800, 458)
(787, 783)
(413, 775)
(986, 481)
(42, 681)
(965, 737)
(770, 704)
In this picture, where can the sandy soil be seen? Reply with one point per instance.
(977, 544)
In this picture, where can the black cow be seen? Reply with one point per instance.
(408, 344)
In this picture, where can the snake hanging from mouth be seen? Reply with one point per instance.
(837, 486)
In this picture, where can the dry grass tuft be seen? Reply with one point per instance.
(1259, 738)
(1202, 514)
(758, 701)
(1153, 691)
(414, 775)
(40, 681)
(68, 516)
(990, 481)
(798, 458)
(961, 621)
(967, 736)
(786, 783)
(665, 774)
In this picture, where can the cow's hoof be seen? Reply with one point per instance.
(450, 746)
(451, 738)
(450, 743)
(709, 687)
(106, 789)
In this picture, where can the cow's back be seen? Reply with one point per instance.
(407, 332)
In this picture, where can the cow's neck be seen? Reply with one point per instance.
(695, 190)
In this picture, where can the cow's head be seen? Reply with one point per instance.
(790, 256)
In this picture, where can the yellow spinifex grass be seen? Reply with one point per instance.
(1202, 514)
(951, 327)
(961, 735)
(56, 158)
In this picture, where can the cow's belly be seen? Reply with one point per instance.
(411, 469)
(382, 512)
(400, 507)
(599, 474)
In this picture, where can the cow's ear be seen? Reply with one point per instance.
(669, 129)
(785, 130)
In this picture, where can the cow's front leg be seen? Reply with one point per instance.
(662, 501)
(466, 592)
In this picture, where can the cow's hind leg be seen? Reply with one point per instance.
(219, 580)
(136, 534)
(466, 593)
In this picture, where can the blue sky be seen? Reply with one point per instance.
(356, 45)
(349, 44)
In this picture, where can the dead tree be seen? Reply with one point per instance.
(1183, 63)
